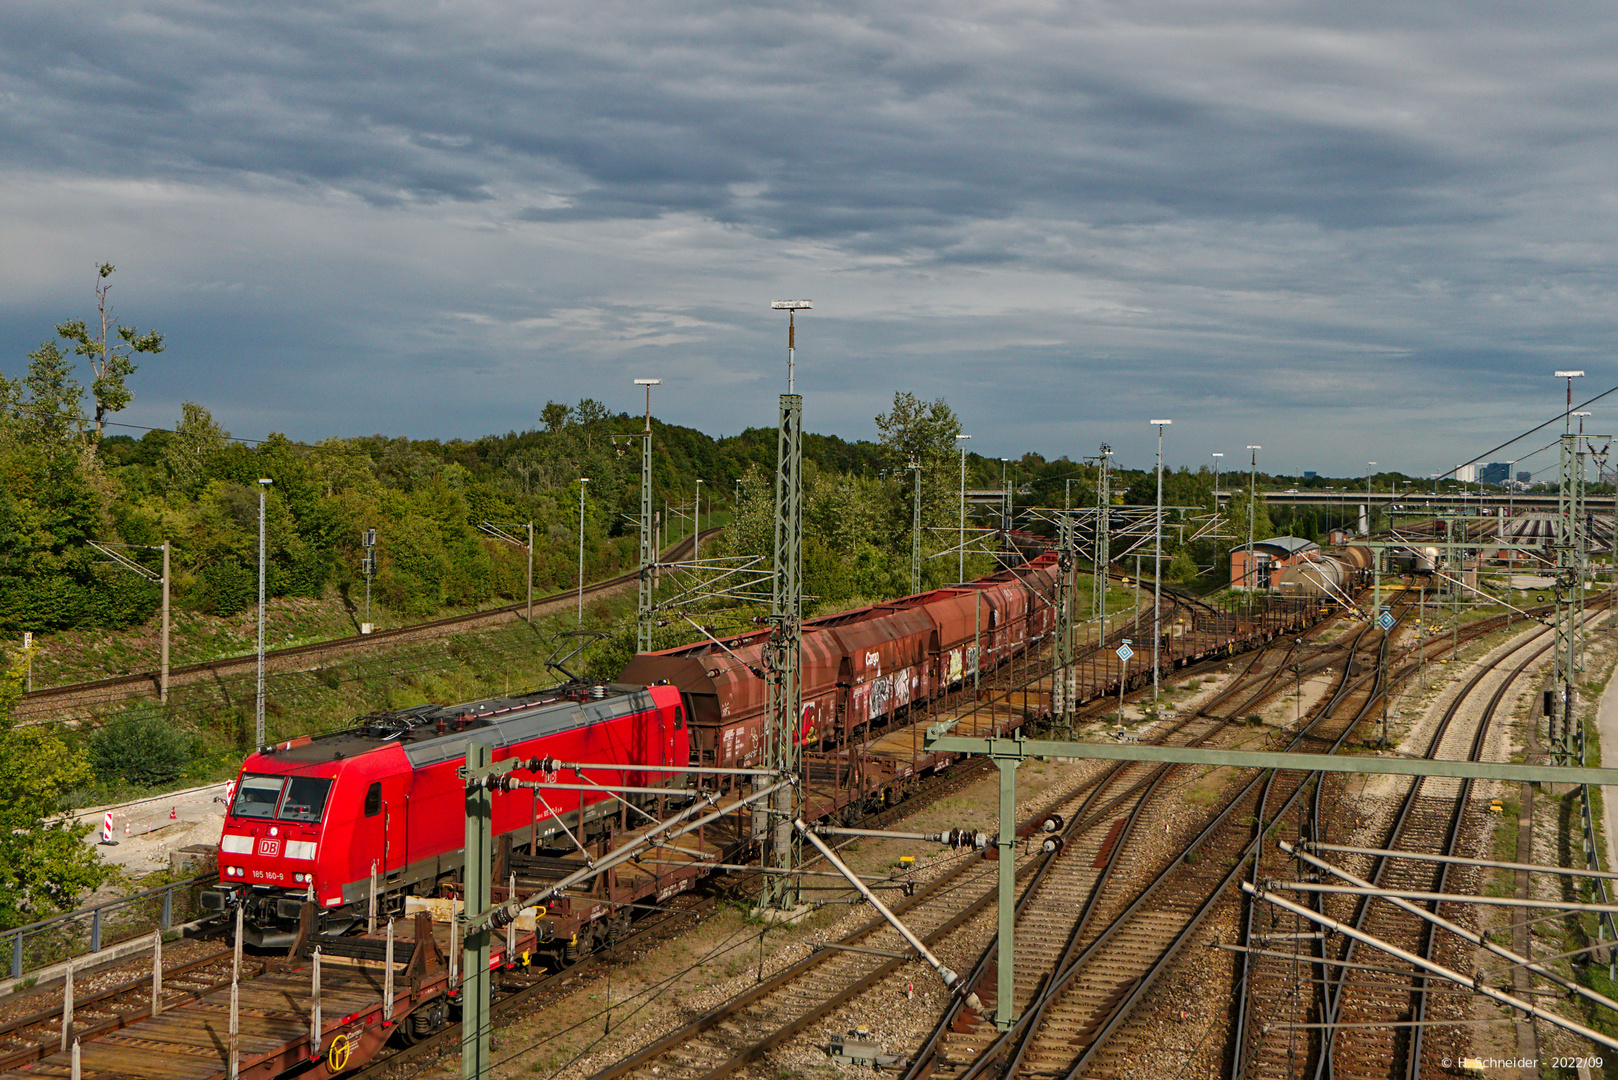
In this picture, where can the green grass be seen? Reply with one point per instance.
(503, 659)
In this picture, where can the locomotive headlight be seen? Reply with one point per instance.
(274, 831)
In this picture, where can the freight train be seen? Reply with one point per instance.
(378, 809)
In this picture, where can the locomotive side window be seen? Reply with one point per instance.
(305, 799)
(258, 796)
(373, 799)
(679, 718)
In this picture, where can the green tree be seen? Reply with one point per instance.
(110, 347)
(187, 458)
(44, 863)
(554, 415)
(144, 750)
(46, 404)
(916, 432)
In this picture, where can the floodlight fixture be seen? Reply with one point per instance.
(1568, 415)
(1160, 421)
(791, 307)
(648, 382)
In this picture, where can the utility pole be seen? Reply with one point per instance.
(1157, 560)
(368, 569)
(648, 549)
(784, 650)
(258, 723)
(1103, 554)
(163, 661)
(1064, 682)
(960, 559)
(476, 1054)
(1569, 593)
(495, 530)
(1252, 502)
(583, 480)
(915, 532)
(130, 564)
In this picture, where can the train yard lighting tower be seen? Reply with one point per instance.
(696, 524)
(1369, 465)
(258, 698)
(783, 651)
(1157, 559)
(1005, 498)
(583, 480)
(1568, 414)
(648, 550)
(915, 531)
(1252, 503)
(1103, 553)
(960, 559)
(1216, 455)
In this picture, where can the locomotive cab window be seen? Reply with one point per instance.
(373, 799)
(258, 796)
(679, 717)
(305, 798)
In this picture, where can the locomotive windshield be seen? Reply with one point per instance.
(294, 798)
(305, 799)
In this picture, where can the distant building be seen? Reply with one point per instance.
(1310, 474)
(1466, 474)
(1496, 472)
(1524, 476)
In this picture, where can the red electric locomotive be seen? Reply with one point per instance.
(314, 818)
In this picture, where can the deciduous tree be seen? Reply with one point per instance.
(110, 348)
(44, 863)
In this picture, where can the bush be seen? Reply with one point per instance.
(142, 750)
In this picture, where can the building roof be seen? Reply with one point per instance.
(1284, 545)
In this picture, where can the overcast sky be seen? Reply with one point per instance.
(1345, 232)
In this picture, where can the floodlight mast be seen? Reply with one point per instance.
(1157, 559)
(783, 652)
(791, 307)
(648, 554)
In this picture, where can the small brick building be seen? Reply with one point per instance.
(1262, 566)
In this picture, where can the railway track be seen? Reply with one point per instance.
(1009, 676)
(38, 705)
(1353, 1012)
(743, 1031)
(1140, 906)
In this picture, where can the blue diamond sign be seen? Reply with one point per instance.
(1125, 652)
(1385, 620)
